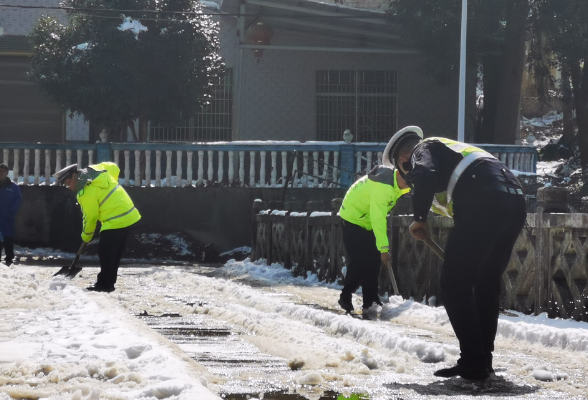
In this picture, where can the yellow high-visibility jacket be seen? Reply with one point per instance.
(103, 199)
(369, 200)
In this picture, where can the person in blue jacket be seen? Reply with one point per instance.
(9, 203)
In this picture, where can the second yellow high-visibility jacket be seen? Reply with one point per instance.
(103, 199)
(369, 200)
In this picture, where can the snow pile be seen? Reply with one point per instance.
(56, 338)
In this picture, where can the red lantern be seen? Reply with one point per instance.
(260, 34)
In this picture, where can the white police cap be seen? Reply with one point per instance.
(392, 144)
(65, 173)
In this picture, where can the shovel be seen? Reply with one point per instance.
(392, 278)
(435, 247)
(71, 271)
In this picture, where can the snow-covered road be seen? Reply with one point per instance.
(59, 341)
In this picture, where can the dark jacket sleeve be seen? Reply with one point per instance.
(422, 179)
(17, 198)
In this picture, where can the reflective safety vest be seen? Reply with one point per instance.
(103, 199)
(443, 202)
(369, 200)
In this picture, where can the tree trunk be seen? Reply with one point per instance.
(488, 113)
(568, 107)
(511, 78)
(580, 86)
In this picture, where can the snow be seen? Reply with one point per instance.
(58, 341)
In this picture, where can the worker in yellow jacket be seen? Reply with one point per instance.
(365, 233)
(102, 199)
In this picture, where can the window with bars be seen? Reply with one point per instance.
(213, 124)
(362, 101)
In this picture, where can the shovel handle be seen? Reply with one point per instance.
(435, 247)
(78, 254)
(392, 278)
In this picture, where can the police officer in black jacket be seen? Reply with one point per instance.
(488, 208)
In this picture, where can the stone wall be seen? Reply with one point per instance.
(547, 271)
(49, 216)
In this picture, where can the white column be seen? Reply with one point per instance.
(189, 156)
(380, 156)
(25, 170)
(147, 168)
(37, 167)
(358, 162)
(262, 168)
(517, 162)
(335, 168)
(231, 167)
(369, 161)
(284, 168)
(127, 167)
(117, 157)
(503, 158)
(305, 168)
(80, 155)
(90, 157)
(295, 170)
(315, 168)
(179, 168)
(326, 159)
(68, 158)
(58, 154)
(15, 169)
(47, 167)
(510, 159)
(252, 169)
(138, 168)
(158, 168)
(242, 168)
(210, 165)
(5, 156)
(200, 167)
(274, 172)
(221, 170)
(168, 169)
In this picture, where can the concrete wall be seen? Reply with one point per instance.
(49, 216)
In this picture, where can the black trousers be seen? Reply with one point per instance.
(110, 250)
(477, 253)
(8, 246)
(363, 266)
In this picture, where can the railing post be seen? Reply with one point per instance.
(252, 169)
(315, 168)
(221, 171)
(102, 152)
(25, 170)
(37, 167)
(168, 168)
(305, 168)
(127, 167)
(138, 168)
(200, 167)
(335, 168)
(158, 168)
(284, 168)
(179, 168)
(189, 172)
(15, 166)
(242, 168)
(147, 168)
(90, 157)
(262, 168)
(369, 161)
(326, 158)
(47, 167)
(210, 166)
(80, 157)
(68, 158)
(58, 154)
(231, 167)
(274, 173)
(347, 164)
(5, 156)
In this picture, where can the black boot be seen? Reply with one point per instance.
(97, 287)
(466, 372)
(345, 303)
